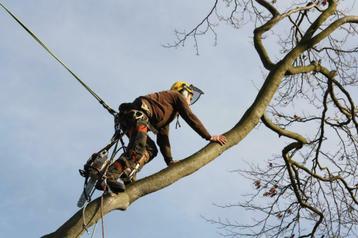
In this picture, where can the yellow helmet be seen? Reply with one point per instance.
(181, 86)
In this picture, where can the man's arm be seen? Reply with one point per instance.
(194, 122)
(185, 112)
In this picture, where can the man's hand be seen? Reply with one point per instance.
(219, 139)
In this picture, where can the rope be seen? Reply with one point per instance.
(84, 224)
(102, 219)
(98, 98)
(94, 230)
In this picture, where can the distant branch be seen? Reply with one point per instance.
(182, 36)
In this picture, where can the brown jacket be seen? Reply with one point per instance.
(163, 107)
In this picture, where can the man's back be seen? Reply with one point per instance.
(165, 105)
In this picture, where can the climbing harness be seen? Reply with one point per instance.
(98, 98)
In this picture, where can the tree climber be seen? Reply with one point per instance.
(153, 112)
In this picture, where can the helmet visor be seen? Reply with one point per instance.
(196, 94)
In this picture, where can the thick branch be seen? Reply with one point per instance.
(73, 227)
(320, 20)
(330, 29)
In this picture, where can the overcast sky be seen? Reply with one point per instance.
(50, 125)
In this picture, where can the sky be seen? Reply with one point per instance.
(50, 125)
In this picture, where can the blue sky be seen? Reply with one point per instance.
(50, 125)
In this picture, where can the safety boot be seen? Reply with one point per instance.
(133, 168)
(116, 186)
(114, 180)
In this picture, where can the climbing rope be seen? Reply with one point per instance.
(84, 224)
(94, 230)
(98, 98)
(102, 218)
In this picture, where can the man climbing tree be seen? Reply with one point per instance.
(153, 112)
(311, 182)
